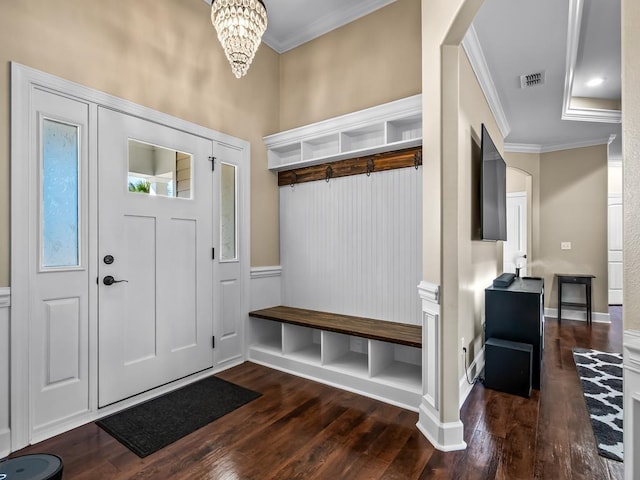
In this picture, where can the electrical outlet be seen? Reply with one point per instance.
(565, 245)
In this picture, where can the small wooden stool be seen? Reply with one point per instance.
(32, 467)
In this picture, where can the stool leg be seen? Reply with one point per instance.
(559, 301)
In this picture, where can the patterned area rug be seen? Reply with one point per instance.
(601, 378)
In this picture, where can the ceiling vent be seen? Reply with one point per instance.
(531, 80)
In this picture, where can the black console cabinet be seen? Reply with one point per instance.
(516, 313)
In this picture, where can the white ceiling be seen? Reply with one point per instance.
(517, 37)
(569, 41)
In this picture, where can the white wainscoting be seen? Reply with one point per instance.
(266, 288)
(631, 407)
(5, 432)
(353, 245)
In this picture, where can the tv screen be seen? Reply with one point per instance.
(493, 191)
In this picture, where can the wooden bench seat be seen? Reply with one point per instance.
(392, 332)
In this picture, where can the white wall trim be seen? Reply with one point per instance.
(474, 369)
(331, 21)
(631, 403)
(5, 297)
(429, 292)
(533, 148)
(573, 44)
(472, 47)
(265, 290)
(580, 315)
(266, 272)
(446, 437)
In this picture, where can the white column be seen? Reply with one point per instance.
(631, 408)
(5, 432)
(444, 436)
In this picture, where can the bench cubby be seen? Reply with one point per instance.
(379, 359)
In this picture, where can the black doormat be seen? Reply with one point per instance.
(601, 378)
(150, 426)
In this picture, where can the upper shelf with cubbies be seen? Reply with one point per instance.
(387, 127)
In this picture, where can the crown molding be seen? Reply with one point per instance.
(522, 148)
(472, 47)
(533, 148)
(335, 19)
(573, 44)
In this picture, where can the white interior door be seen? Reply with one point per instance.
(615, 249)
(515, 248)
(155, 245)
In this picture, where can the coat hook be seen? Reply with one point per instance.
(417, 159)
(369, 167)
(294, 179)
(329, 173)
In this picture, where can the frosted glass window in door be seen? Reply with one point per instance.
(60, 207)
(156, 170)
(228, 212)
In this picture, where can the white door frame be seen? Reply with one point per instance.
(23, 81)
(525, 225)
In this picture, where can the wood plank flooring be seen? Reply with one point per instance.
(301, 429)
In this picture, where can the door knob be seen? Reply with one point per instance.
(109, 280)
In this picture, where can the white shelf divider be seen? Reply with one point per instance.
(390, 126)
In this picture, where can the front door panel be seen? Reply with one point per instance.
(155, 236)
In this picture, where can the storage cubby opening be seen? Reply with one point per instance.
(397, 365)
(266, 335)
(362, 138)
(345, 352)
(285, 154)
(302, 343)
(404, 129)
(321, 147)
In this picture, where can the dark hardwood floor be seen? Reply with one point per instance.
(301, 429)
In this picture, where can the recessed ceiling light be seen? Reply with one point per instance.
(594, 82)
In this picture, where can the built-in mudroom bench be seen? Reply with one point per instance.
(350, 191)
(375, 358)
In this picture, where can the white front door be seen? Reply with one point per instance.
(155, 238)
(515, 248)
(615, 249)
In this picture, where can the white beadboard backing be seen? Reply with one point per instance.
(353, 245)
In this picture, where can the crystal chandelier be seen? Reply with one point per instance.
(240, 25)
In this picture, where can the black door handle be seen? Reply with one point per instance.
(109, 280)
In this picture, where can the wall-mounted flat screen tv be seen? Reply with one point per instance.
(493, 191)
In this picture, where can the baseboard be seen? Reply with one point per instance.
(446, 437)
(580, 315)
(474, 370)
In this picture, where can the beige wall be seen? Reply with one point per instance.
(479, 262)
(373, 60)
(573, 208)
(516, 181)
(444, 23)
(631, 158)
(163, 55)
(528, 164)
